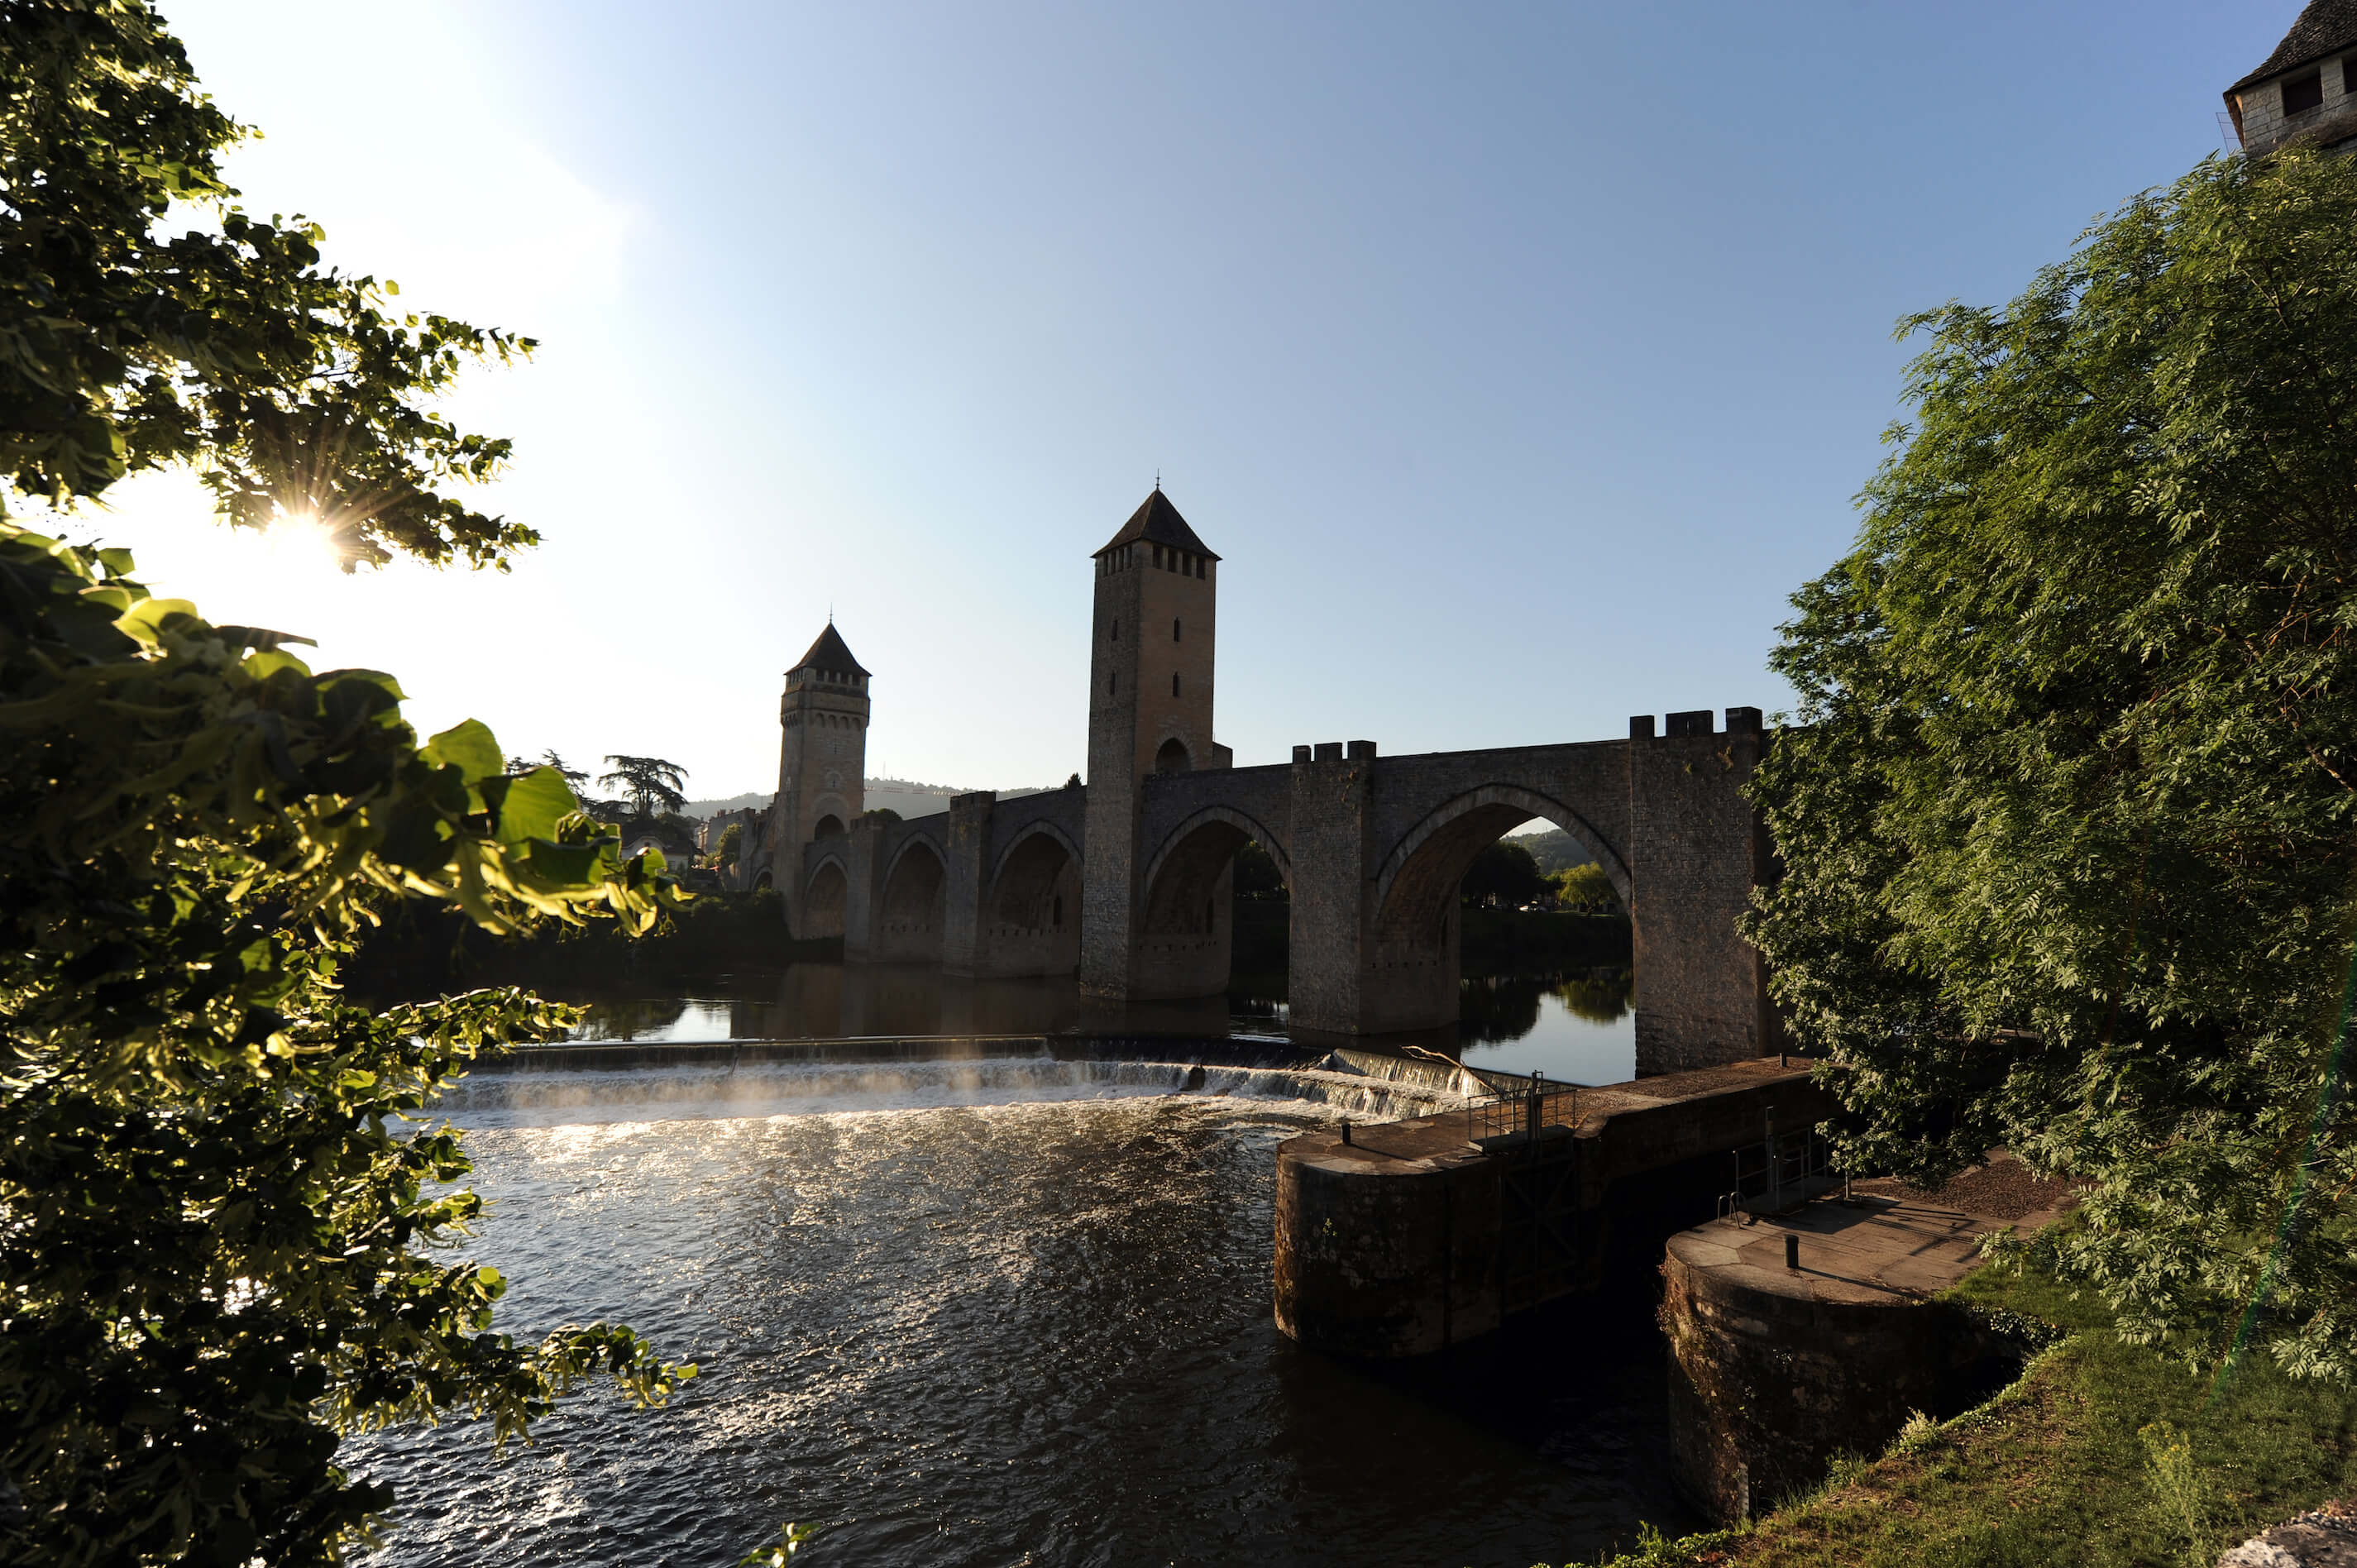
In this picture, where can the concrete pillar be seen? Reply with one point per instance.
(863, 895)
(1696, 850)
(965, 926)
(1333, 888)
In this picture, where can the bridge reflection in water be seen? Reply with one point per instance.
(1577, 1026)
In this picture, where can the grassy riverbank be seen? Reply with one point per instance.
(2072, 1463)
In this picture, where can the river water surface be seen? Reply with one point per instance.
(1005, 1308)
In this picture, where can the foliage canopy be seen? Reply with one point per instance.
(2068, 830)
(220, 1242)
(224, 1228)
(147, 320)
(651, 785)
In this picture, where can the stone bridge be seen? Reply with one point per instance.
(1371, 849)
(1127, 881)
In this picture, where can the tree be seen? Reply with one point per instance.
(2070, 827)
(650, 784)
(1586, 888)
(1503, 876)
(1256, 874)
(222, 1239)
(147, 320)
(731, 843)
(221, 1244)
(573, 777)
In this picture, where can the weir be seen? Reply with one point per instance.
(1404, 1239)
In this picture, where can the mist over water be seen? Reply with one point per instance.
(992, 1310)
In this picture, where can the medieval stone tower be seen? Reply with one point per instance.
(1151, 689)
(821, 751)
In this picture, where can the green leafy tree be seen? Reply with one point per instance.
(1586, 888)
(1503, 875)
(220, 1244)
(147, 320)
(224, 1231)
(1256, 873)
(649, 785)
(2070, 826)
(731, 844)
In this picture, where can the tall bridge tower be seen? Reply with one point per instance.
(1151, 690)
(822, 754)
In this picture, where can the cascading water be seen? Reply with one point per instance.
(524, 1096)
(1009, 1307)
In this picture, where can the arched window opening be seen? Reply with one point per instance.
(1172, 757)
(828, 826)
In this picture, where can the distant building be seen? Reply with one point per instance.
(2304, 94)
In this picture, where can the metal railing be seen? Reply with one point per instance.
(1528, 1110)
(1780, 1171)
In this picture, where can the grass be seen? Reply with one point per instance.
(2103, 1454)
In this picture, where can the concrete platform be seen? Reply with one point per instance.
(1775, 1369)
(1412, 1237)
(1880, 1250)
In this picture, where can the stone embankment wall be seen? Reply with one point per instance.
(1767, 1388)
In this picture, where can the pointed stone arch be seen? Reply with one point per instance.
(913, 906)
(1438, 848)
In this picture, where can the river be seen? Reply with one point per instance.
(1009, 1305)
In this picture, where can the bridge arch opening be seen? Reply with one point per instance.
(823, 902)
(916, 900)
(1033, 911)
(1418, 929)
(1187, 943)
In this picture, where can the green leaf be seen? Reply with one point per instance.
(469, 748)
(535, 802)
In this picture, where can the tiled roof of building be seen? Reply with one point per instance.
(829, 653)
(1158, 522)
(2322, 27)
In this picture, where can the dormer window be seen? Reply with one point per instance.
(2303, 92)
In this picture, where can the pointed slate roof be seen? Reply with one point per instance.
(1158, 522)
(2322, 27)
(829, 653)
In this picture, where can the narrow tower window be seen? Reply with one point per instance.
(1174, 630)
(1174, 682)
(1112, 683)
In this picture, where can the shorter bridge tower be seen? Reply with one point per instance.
(821, 762)
(1152, 638)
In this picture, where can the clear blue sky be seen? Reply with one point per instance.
(1519, 359)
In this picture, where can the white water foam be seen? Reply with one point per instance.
(529, 1096)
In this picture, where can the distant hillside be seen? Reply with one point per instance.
(1554, 850)
(906, 796)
